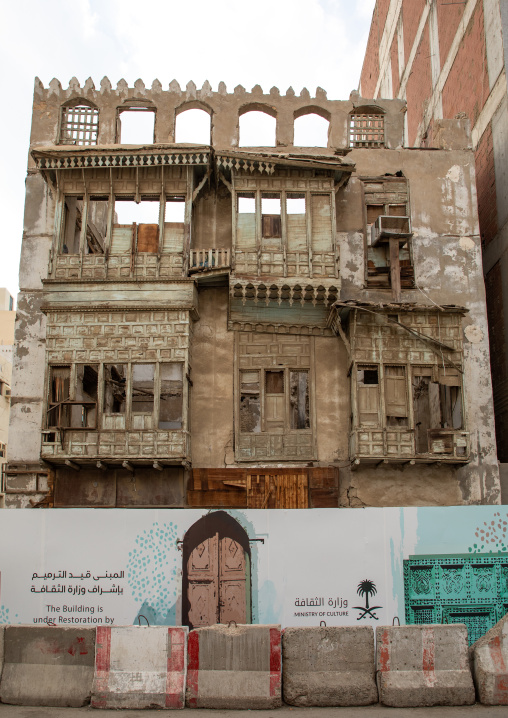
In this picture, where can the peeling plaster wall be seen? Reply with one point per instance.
(212, 391)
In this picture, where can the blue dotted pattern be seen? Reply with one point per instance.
(5, 617)
(152, 567)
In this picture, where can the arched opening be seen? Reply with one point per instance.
(193, 126)
(216, 585)
(257, 128)
(311, 130)
(136, 126)
(367, 127)
(79, 123)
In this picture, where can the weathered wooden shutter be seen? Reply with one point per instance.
(395, 391)
(368, 397)
(121, 239)
(321, 220)
(174, 233)
(148, 238)
(246, 231)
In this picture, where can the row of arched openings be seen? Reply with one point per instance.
(257, 126)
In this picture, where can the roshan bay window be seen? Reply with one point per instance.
(139, 395)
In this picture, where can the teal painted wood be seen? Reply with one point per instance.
(470, 589)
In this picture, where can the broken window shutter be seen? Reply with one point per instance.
(148, 238)
(321, 215)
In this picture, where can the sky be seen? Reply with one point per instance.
(282, 43)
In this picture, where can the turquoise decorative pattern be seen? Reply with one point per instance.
(470, 588)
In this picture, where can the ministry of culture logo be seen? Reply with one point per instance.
(367, 588)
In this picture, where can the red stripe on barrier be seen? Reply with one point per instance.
(102, 664)
(501, 679)
(175, 687)
(192, 669)
(428, 656)
(384, 652)
(275, 677)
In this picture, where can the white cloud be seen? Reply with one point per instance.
(302, 43)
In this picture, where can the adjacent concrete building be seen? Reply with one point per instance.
(266, 326)
(448, 59)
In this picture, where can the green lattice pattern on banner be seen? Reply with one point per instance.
(470, 589)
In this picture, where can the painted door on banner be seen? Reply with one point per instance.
(217, 579)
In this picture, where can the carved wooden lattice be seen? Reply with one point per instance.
(457, 589)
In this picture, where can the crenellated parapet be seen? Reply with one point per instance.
(225, 108)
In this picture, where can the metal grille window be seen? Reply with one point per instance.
(366, 130)
(80, 125)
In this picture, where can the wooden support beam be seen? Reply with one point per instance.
(101, 466)
(395, 269)
(127, 466)
(158, 466)
(72, 465)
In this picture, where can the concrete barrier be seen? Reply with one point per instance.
(2, 629)
(332, 666)
(423, 665)
(140, 667)
(490, 659)
(235, 668)
(47, 666)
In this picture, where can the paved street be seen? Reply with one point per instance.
(375, 711)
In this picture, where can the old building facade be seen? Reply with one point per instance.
(449, 60)
(215, 325)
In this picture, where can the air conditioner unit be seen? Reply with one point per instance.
(388, 227)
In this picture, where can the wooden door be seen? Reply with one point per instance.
(217, 577)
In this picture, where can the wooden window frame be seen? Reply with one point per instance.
(263, 394)
(98, 404)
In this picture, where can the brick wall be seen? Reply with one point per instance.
(486, 186)
(419, 86)
(395, 65)
(494, 289)
(411, 14)
(467, 86)
(448, 18)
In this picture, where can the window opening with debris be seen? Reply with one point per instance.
(250, 402)
(274, 400)
(311, 130)
(143, 379)
(174, 224)
(96, 225)
(115, 380)
(366, 129)
(136, 126)
(257, 129)
(396, 409)
(73, 396)
(136, 225)
(73, 217)
(389, 257)
(193, 127)
(171, 396)
(271, 225)
(79, 125)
